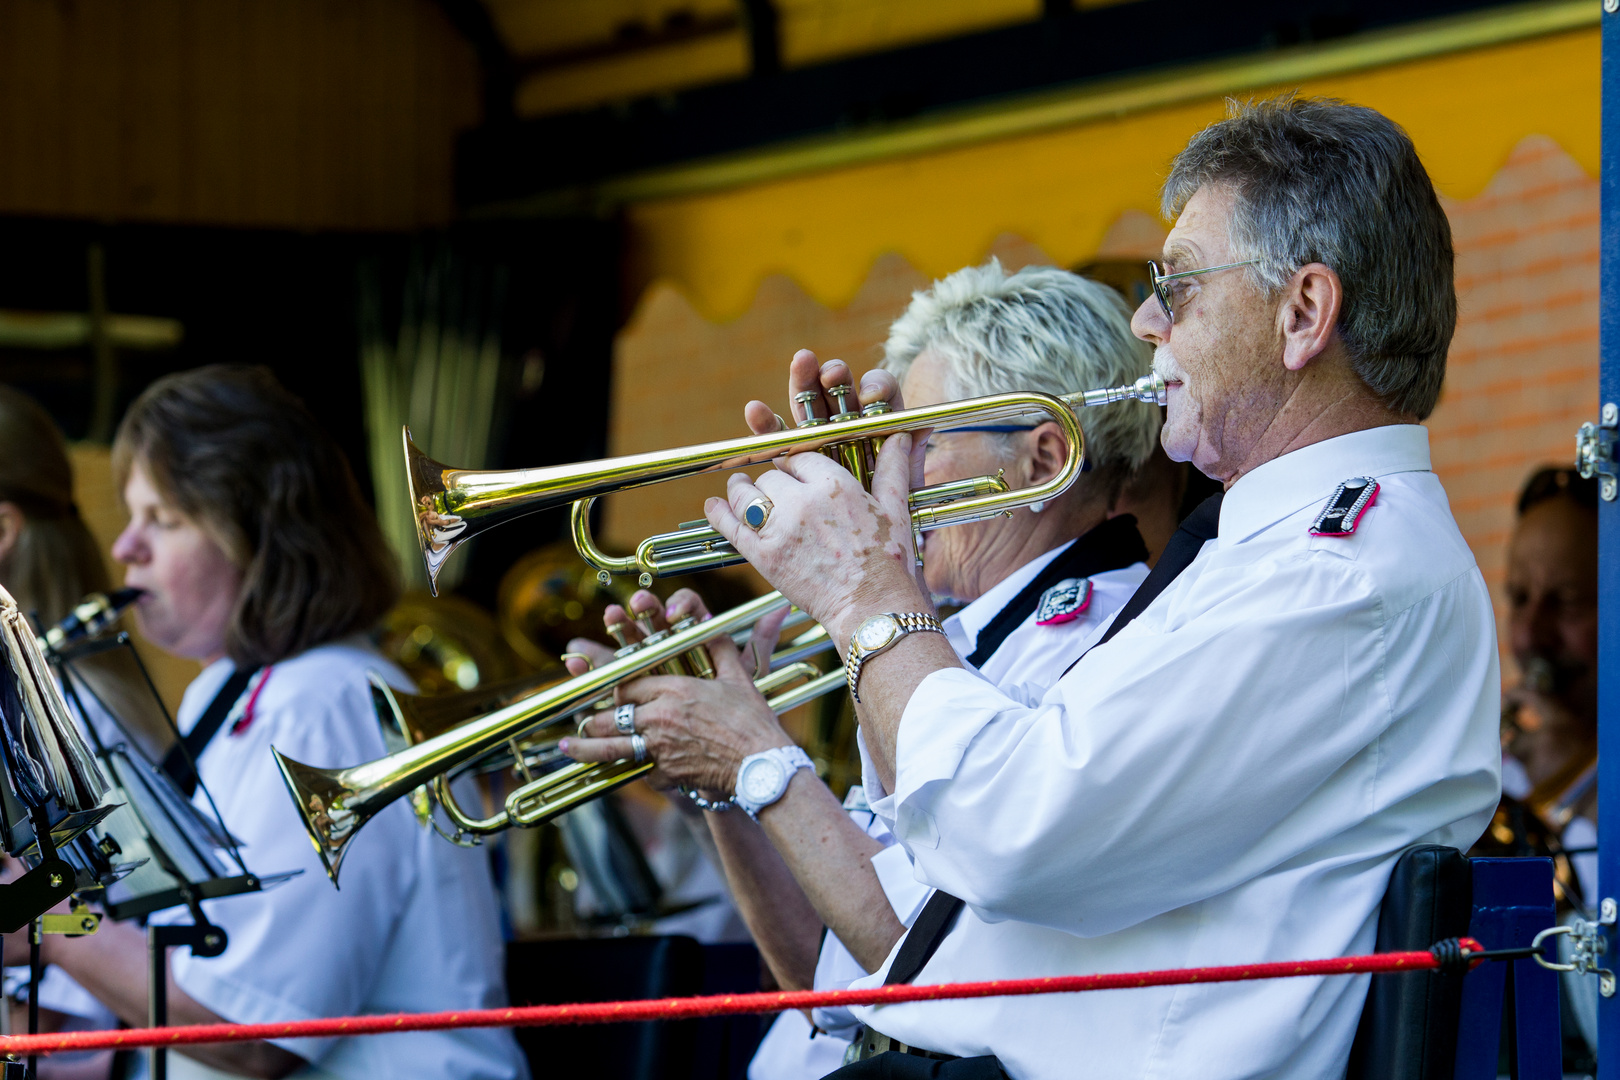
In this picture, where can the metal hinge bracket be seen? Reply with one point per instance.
(1594, 451)
(1588, 941)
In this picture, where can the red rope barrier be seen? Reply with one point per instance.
(717, 1005)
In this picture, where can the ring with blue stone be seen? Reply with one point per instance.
(757, 513)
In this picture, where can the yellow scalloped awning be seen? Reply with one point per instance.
(1062, 187)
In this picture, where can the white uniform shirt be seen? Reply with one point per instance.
(1027, 660)
(415, 926)
(1228, 780)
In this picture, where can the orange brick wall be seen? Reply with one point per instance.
(1523, 370)
(1522, 373)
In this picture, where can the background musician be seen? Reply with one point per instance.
(1549, 720)
(1551, 729)
(1229, 774)
(1035, 585)
(49, 561)
(260, 560)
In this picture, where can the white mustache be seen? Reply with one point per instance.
(1165, 366)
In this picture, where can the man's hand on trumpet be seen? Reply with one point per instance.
(697, 730)
(838, 552)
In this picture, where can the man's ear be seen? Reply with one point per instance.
(11, 527)
(1309, 316)
(1048, 450)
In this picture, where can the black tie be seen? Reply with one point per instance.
(939, 914)
(1183, 548)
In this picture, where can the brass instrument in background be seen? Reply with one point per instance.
(335, 803)
(454, 505)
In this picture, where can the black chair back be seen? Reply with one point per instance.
(1409, 1025)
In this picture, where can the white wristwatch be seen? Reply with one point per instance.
(762, 778)
(878, 634)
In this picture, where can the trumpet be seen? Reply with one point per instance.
(454, 505)
(335, 803)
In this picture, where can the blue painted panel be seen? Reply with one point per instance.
(1609, 536)
(1513, 902)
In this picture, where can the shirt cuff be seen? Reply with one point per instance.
(946, 712)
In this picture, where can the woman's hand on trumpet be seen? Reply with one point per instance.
(807, 375)
(697, 730)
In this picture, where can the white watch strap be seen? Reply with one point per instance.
(793, 758)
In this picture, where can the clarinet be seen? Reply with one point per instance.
(92, 615)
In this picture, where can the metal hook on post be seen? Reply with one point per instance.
(1589, 941)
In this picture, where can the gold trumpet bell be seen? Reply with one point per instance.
(322, 800)
(438, 530)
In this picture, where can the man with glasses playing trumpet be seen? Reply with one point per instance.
(1305, 685)
(1035, 584)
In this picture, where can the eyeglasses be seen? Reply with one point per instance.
(1162, 290)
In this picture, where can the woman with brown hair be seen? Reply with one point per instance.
(49, 561)
(260, 560)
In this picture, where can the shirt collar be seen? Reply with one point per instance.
(1285, 485)
(977, 615)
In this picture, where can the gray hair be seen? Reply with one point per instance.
(1041, 329)
(1316, 180)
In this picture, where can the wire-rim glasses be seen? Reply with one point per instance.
(1162, 290)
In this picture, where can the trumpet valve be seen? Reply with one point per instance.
(698, 659)
(807, 399)
(841, 395)
(620, 632)
(877, 408)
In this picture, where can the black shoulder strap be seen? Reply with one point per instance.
(1113, 545)
(924, 937)
(179, 761)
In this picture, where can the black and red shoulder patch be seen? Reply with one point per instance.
(1343, 512)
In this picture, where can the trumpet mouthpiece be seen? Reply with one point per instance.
(1149, 388)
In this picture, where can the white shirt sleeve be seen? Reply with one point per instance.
(1178, 765)
(414, 927)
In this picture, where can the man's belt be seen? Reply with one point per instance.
(869, 1044)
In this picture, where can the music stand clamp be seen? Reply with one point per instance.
(40, 889)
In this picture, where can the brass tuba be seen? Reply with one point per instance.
(335, 803)
(454, 505)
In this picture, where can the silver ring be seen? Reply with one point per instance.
(624, 718)
(757, 513)
(638, 747)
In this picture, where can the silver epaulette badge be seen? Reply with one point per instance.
(1064, 602)
(1343, 512)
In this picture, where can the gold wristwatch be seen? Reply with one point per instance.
(877, 634)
